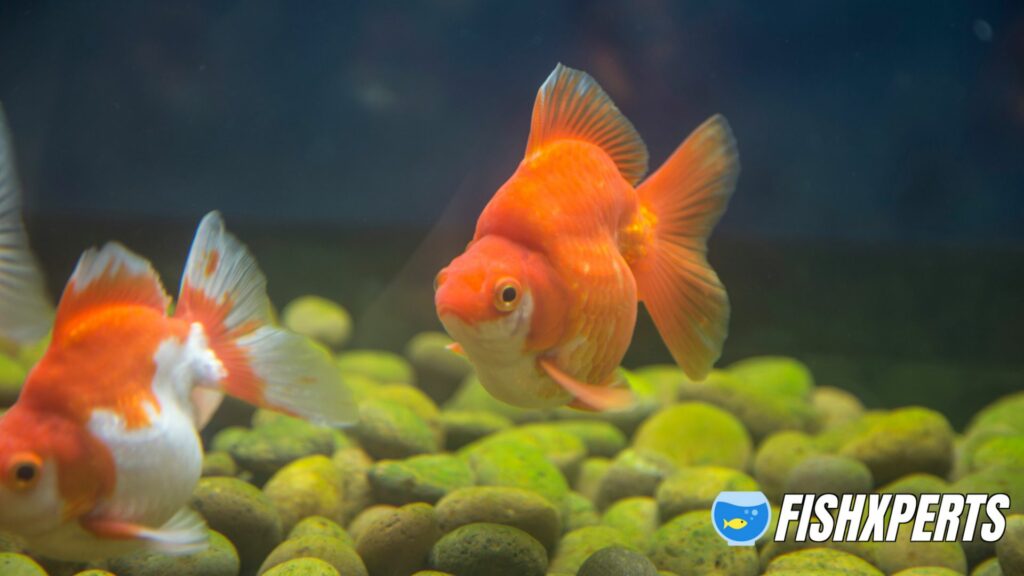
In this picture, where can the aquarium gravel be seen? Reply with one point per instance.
(452, 482)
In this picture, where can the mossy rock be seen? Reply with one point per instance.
(219, 559)
(617, 561)
(472, 397)
(560, 447)
(506, 505)
(637, 518)
(483, 549)
(695, 434)
(396, 540)
(513, 461)
(227, 438)
(320, 319)
(688, 544)
(992, 480)
(1010, 548)
(463, 427)
(390, 430)
(834, 408)
(1001, 417)
(13, 564)
(915, 484)
(383, 367)
(219, 464)
(270, 447)
(821, 561)
(588, 479)
(633, 473)
(599, 438)
(243, 514)
(989, 567)
(998, 451)
(580, 512)
(333, 551)
(312, 486)
(901, 442)
(320, 526)
(696, 487)
(892, 557)
(425, 478)
(303, 567)
(580, 544)
(928, 571)
(354, 466)
(439, 371)
(829, 474)
(777, 455)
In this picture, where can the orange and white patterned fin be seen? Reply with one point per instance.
(686, 197)
(26, 313)
(185, 533)
(112, 275)
(571, 105)
(587, 396)
(224, 291)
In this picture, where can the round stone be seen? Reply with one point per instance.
(617, 561)
(485, 549)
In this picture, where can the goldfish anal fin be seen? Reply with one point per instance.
(224, 291)
(184, 533)
(587, 396)
(26, 312)
(571, 105)
(111, 275)
(687, 196)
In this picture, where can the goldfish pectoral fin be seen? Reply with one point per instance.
(224, 291)
(571, 105)
(184, 533)
(205, 402)
(456, 348)
(588, 396)
(687, 196)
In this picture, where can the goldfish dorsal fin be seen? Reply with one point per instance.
(25, 309)
(111, 275)
(571, 105)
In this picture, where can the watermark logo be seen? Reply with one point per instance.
(741, 517)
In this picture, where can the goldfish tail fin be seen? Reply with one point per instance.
(224, 291)
(571, 105)
(25, 309)
(685, 199)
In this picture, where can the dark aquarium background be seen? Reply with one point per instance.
(877, 232)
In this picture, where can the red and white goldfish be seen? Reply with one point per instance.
(544, 299)
(26, 313)
(100, 454)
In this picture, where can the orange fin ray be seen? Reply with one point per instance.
(571, 105)
(687, 196)
(588, 396)
(184, 533)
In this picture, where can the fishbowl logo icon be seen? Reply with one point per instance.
(741, 517)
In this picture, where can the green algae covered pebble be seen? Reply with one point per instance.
(589, 478)
(636, 518)
(598, 437)
(1000, 417)
(617, 561)
(580, 544)
(383, 367)
(989, 567)
(389, 430)
(696, 487)
(834, 407)
(632, 473)
(829, 474)
(94, 572)
(563, 449)
(269, 447)
(219, 559)
(320, 526)
(424, 478)
(928, 571)
(219, 464)
(993, 480)
(333, 551)
(12, 375)
(519, 463)
(821, 561)
(318, 318)
(303, 567)
(510, 506)
(396, 540)
(892, 557)
(462, 427)
(999, 451)
(243, 514)
(483, 549)
(1010, 548)
(579, 512)
(901, 442)
(227, 438)
(777, 456)
(311, 486)
(354, 466)
(688, 544)
(915, 484)
(694, 434)
(439, 371)
(12, 564)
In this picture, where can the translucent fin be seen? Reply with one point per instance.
(571, 105)
(224, 291)
(110, 275)
(185, 533)
(26, 312)
(588, 396)
(686, 197)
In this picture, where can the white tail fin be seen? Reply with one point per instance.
(25, 309)
(267, 366)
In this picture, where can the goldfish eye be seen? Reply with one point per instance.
(23, 471)
(506, 295)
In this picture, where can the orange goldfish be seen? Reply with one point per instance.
(100, 454)
(25, 312)
(543, 301)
